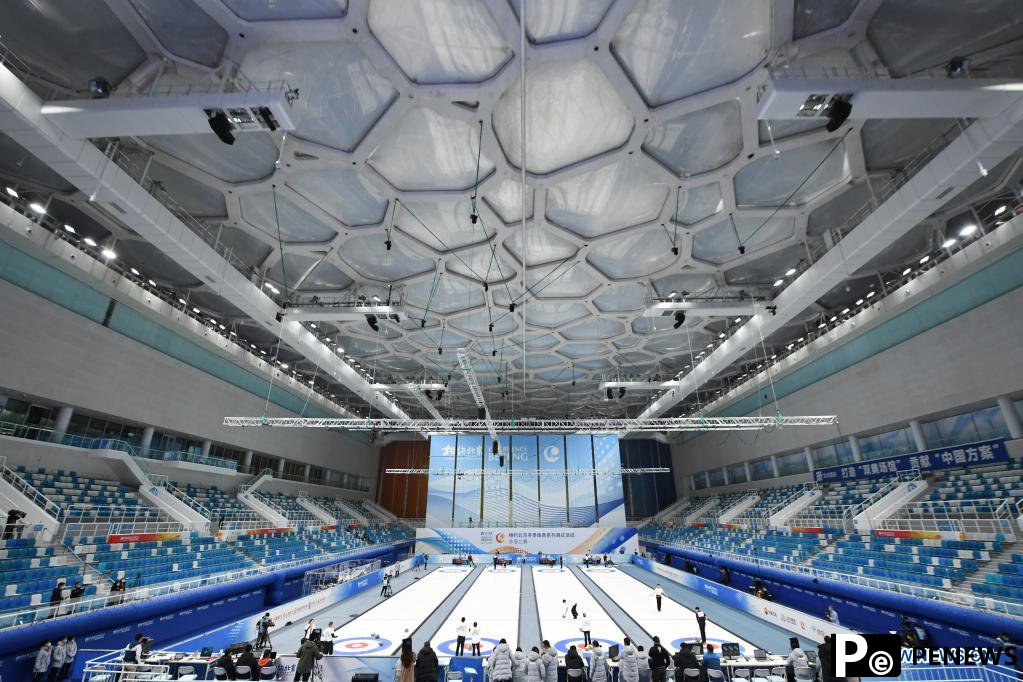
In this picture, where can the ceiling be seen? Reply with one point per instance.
(640, 137)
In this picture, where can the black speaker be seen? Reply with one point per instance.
(839, 112)
(221, 127)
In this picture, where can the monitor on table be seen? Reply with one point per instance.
(730, 649)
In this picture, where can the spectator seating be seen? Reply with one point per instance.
(272, 548)
(67, 488)
(288, 506)
(28, 574)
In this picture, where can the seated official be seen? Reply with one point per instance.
(227, 663)
(711, 661)
(248, 658)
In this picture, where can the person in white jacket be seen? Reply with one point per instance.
(42, 663)
(70, 651)
(628, 663)
(518, 665)
(551, 660)
(461, 632)
(599, 669)
(500, 662)
(535, 671)
(584, 627)
(658, 595)
(475, 639)
(56, 660)
(644, 664)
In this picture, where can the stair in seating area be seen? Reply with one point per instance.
(991, 565)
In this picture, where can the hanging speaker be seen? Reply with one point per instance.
(221, 127)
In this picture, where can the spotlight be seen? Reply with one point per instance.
(371, 320)
(221, 127)
(473, 218)
(621, 391)
(428, 393)
(511, 307)
(440, 395)
(773, 309)
(680, 318)
(957, 66)
(486, 287)
(99, 87)
(387, 243)
(440, 350)
(491, 325)
(837, 114)
(395, 317)
(609, 393)
(742, 250)
(493, 447)
(481, 413)
(674, 250)
(500, 461)
(422, 323)
(494, 354)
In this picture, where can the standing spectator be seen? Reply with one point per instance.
(426, 664)
(658, 595)
(534, 666)
(824, 656)
(56, 660)
(461, 632)
(70, 651)
(308, 653)
(584, 627)
(518, 665)
(831, 615)
(309, 627)
(701, 621)
(725, 576)
(328, 639)
(659, 660)
(550, 662)
(406, 662)
(56, 597)
(76, 595)
(561, 562)
(12, 528)
(797, 659)
(500, 663)
(711, 661)
(42, 664)
(644, 664)
(599, 669)
(476, 640)
(116, 592)
(684, 659)
(628, 665)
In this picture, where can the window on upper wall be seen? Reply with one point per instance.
(761, 469)
(699, 481)
(792, 463)
(982, 424)
(716, 477)
(737, 473)
(890, 444)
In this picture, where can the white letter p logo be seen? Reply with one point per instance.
(842, 653)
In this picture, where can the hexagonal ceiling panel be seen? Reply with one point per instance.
(595, 329)
(296, 226)
(369, 257)
(250, 251)
(550, 281)
(451, 294)
(653, 324)
(572, 112)
(153, 263)
(632, 255)
(691, 283)
(814, 16)
(835, 212)
(251, 157)
(341, 95)
(889, 144)
(506, 200)
(184, 29)
(698, 203)
(537, 361)
(678, 344)
(440, 41)
(768, 269)
(196, 198)
(542, 246)
(675, 49)
(699, 141)
(581, 350)
(793, 177)
(480, 264)
(478, 323)
(343, 193)
(554, 314)
(618, 298)
(261, 10)
(720, 243)
(430, 151)
(18, 162)
(609, 198)
(548, 22)
(443, 226)
(312, 273)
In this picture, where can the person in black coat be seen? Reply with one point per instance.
(684, 659)
(658, 658)
(227, 663)
(573, 661)
(426, 664)
(824, 654)
(249, 659)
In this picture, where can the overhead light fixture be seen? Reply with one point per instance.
(196, 310)
(967, 230)
(135, 272)
(284, 365)
(790, 272)
(152, 283)
(69, 229)
(182, 301)
(680, 318)
(1001, 209)
(957, 66)
(376, 298)
(673, 294)
(109, 254)
(924, 259)
(779, 282)
(89, 241)
(12, 192)
(313, 325)
(609, 393)
(371, 320)
(621, 391)
(721, 335)
(948, 243)
(845, 311)
(37, 208)
(738, 320)
(833, 318)
(221, 126)
(859, 302)
(870, 293)
(99, 87)
(511, 307)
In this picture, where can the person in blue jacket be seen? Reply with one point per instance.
(711, 661)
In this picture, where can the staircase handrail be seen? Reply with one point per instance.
(187, 499)
(49, 507)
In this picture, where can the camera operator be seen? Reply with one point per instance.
(308, 653)
(263, 631)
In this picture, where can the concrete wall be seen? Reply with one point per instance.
(966, 362)
(61, 357)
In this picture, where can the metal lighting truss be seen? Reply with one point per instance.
(531, 472)
(474, 388)
(435, 426)
(417, 391)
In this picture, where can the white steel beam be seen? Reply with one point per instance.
(100, 178)
(494, 473)
(708, 308)
(939, 176)
(310, 313)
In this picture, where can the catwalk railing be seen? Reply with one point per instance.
(1010, 609)
(237, 519)
(49, 507)
(188, 500)
(976, 519)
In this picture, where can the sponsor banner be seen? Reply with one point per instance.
(141, 537)
(920, 534)
(328, 527)
(594, 540)
(806, 529)
(787, 618)
(984, 452)
(268, 531)
(342, 667)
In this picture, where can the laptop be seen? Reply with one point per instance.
(612, 652)
(760, 654)
(206, 652)
(811, 656)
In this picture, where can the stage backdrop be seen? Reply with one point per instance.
(596, 540)
(554, 497)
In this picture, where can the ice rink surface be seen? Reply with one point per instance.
(493, 602)
(552, 585)
(674, 623)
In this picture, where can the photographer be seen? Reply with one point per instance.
(308, 653)
(263, 631)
